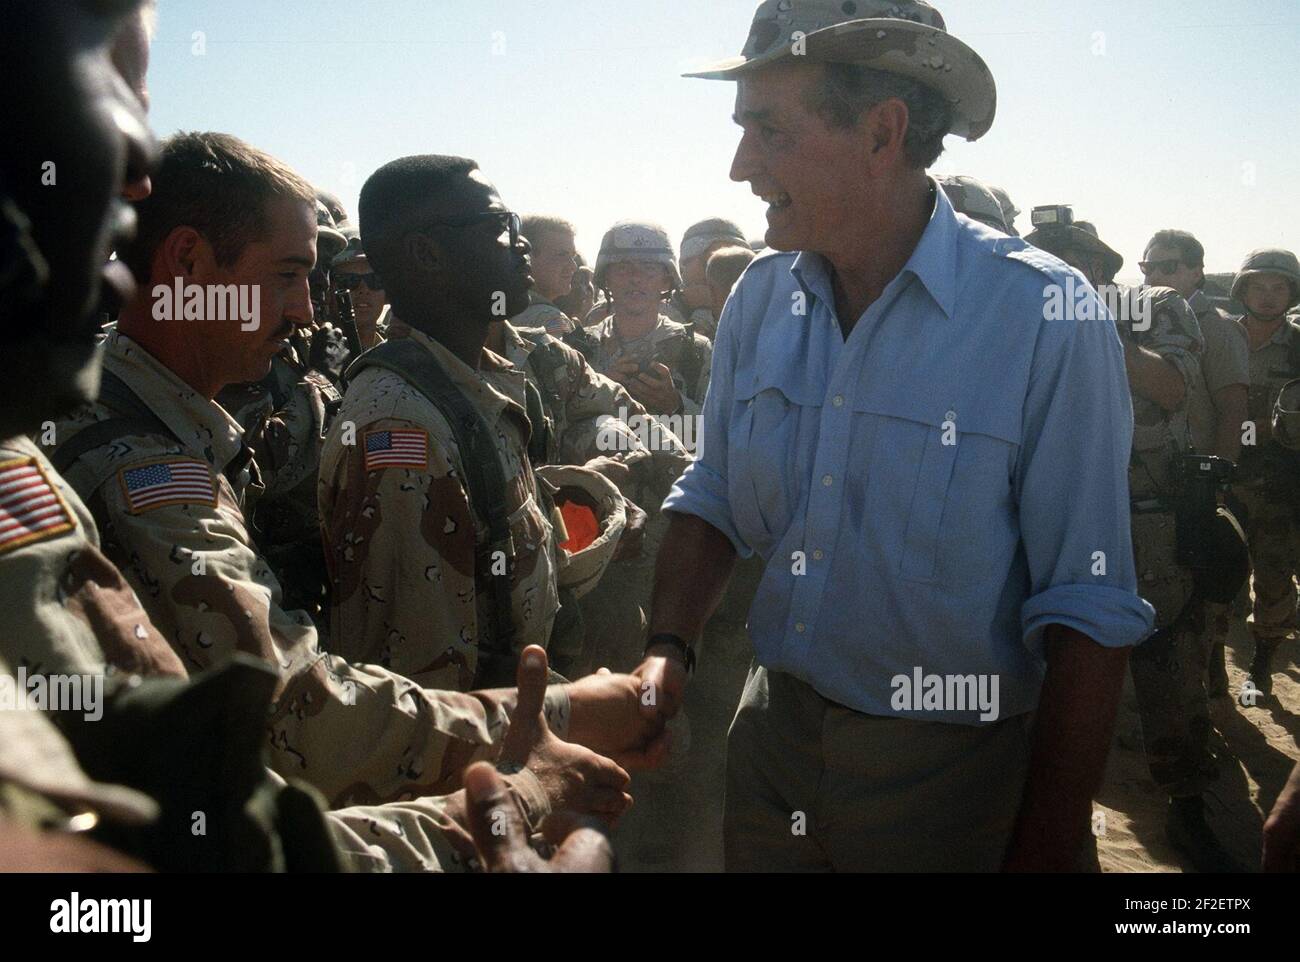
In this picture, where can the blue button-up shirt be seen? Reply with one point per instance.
(933, 492)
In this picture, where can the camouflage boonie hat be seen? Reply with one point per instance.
(697, 238)
(1082, 236)
(904, 37)
(632, 241)
(581, 571)
(1269, 260)
(970, 197)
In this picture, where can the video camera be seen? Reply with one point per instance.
(1052, 215)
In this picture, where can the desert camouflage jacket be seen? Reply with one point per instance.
(1158, 435)
(401, 543)
(65, 609)
(171, 520)
(542, 313)
(578, 401)
(669, 343)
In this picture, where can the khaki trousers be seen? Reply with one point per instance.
(813, 786)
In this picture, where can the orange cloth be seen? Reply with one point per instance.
(582, 524)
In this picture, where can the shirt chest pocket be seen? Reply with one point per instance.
(768, 456)
(936, 489)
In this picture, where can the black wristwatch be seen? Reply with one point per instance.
(681, 644)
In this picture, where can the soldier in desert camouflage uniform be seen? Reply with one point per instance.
(418, 575)
(1163, 363)
(1217, 400)
(1168, 667)
(554, 261)
(167, 492)
(661, 363)
(1268, 285)
(285, 417)
(65, 608)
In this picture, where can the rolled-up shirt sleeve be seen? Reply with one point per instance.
(1072, 482)
(702, 488)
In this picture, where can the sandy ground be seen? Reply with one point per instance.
(676, 823)
(1256, 748)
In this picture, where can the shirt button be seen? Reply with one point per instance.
(827, 481)
(838, 400)
(818, 555)
(801, 627)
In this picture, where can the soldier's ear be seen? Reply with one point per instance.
(422, 251)
(184, 253)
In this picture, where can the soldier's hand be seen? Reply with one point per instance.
(1282, 829)
(497, 825)
(629, 544)
(572, 776)
(655, 389)
(607, 717)
(624, 371)
(663, 676)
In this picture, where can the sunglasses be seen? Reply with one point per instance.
(508, 220)
(351, 282)
(1159, 267)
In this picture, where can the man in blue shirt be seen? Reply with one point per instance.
(923, 427)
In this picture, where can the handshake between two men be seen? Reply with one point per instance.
(617, 725)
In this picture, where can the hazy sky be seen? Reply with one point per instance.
(1144, 115)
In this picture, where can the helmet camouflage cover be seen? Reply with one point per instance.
(699, 237)
(1269, 260)
(635, 241)
(972, 198)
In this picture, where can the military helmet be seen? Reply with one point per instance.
(699, 236)
(329, 241)
(1009, 208)
(1269, 260)
(581, 571)
(353, 251)
(972, 198)
(629, 241)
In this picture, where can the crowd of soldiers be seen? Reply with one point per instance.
(360, 541)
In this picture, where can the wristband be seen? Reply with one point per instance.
(676, 641)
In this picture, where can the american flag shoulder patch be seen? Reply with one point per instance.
(397, 449)
(31, 508)
(169, 481)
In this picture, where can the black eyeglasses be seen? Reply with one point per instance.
(508, 220)
(350, 282)
(1159, 267)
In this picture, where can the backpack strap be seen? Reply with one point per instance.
(485, 477)
(136, 418)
